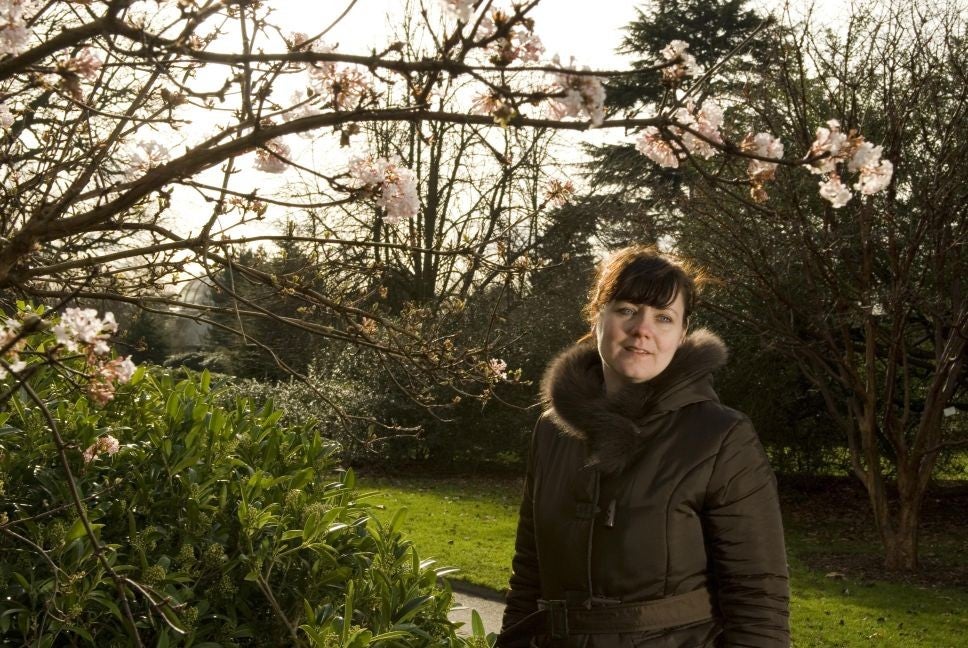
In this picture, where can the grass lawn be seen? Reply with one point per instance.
(469, 523)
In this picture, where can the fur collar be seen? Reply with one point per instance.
(615, 427)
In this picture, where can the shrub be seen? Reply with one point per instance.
(199, 524)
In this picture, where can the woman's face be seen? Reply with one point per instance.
(637, 342)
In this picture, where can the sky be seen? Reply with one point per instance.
(587, 31)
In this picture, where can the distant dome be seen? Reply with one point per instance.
(187, 334)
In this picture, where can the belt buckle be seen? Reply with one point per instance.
(557, 618)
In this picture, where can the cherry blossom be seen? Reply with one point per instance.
(656, 148)
(498, 368)
(82, 325)
(394, 186)
(684, 64)
(342, 87)
(875, 177)
(834, 191)
(106, 444)
(6, 117)
(460, 9)
(578, 93)
(829, 141)
(518, 43)
(8, 337)
(875, 173)
(706, 121)
(86, 64)
(763, 145)
(13, 28)
(145, 155)
(272, 157)
(559, 192)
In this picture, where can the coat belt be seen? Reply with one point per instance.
(557, 620)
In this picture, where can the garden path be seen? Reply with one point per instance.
(488, 603)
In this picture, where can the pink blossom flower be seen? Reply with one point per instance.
(6, 117)
(82, 325)
(830, 141)
(119, 370)
(578, 93)
(460, 9)
(875, 177)
(106, 444)
(399, 197)
(706, 122)
(497, 368)
(395, 186)
(344, 88)
(528, 46)
(86, 64)
(764, 145)
(559, 192)
(145, 155)
(13, 26)
(834, 191)
(685, 64)
(865, 154)
(656, 148)
(273, 156)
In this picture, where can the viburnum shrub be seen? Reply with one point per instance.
(156, 517)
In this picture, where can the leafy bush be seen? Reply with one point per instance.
(200, 525)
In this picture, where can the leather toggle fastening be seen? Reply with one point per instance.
(610, 514)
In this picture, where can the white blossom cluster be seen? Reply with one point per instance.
(342, 87)
(678, 64)
(832, 147)
(394, 186)
(698, 138)
(106, 444)
(574, 94)
(144, 155)
(9, 332)
(497, 369)
(520, 43)
(79, 330)
(6, 117)
(273, 156)
(14, 34)
(763, 145)
(459, 9)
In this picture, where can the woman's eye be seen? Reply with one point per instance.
(665, 319)
(625, 310)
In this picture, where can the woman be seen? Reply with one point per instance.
(650, 516)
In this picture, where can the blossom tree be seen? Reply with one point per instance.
(861, 286)
(114, 112)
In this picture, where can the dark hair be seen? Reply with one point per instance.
(642, 275)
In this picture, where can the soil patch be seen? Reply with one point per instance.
(834, 515)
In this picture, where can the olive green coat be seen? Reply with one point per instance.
(655, 492)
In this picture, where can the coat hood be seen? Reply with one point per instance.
(614, 426)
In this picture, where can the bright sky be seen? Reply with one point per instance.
(567, 27)
(588, 31)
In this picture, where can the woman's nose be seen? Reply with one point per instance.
(641, 325)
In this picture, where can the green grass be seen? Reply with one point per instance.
(465, 523)
(470, 524)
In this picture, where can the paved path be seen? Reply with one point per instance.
(489, 604)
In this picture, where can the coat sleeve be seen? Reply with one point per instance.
(524, 587)
(745, 537)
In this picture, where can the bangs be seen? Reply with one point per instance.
(648, 281)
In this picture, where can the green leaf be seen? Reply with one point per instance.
(477, 624)
(78, 530)
(411, 607)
